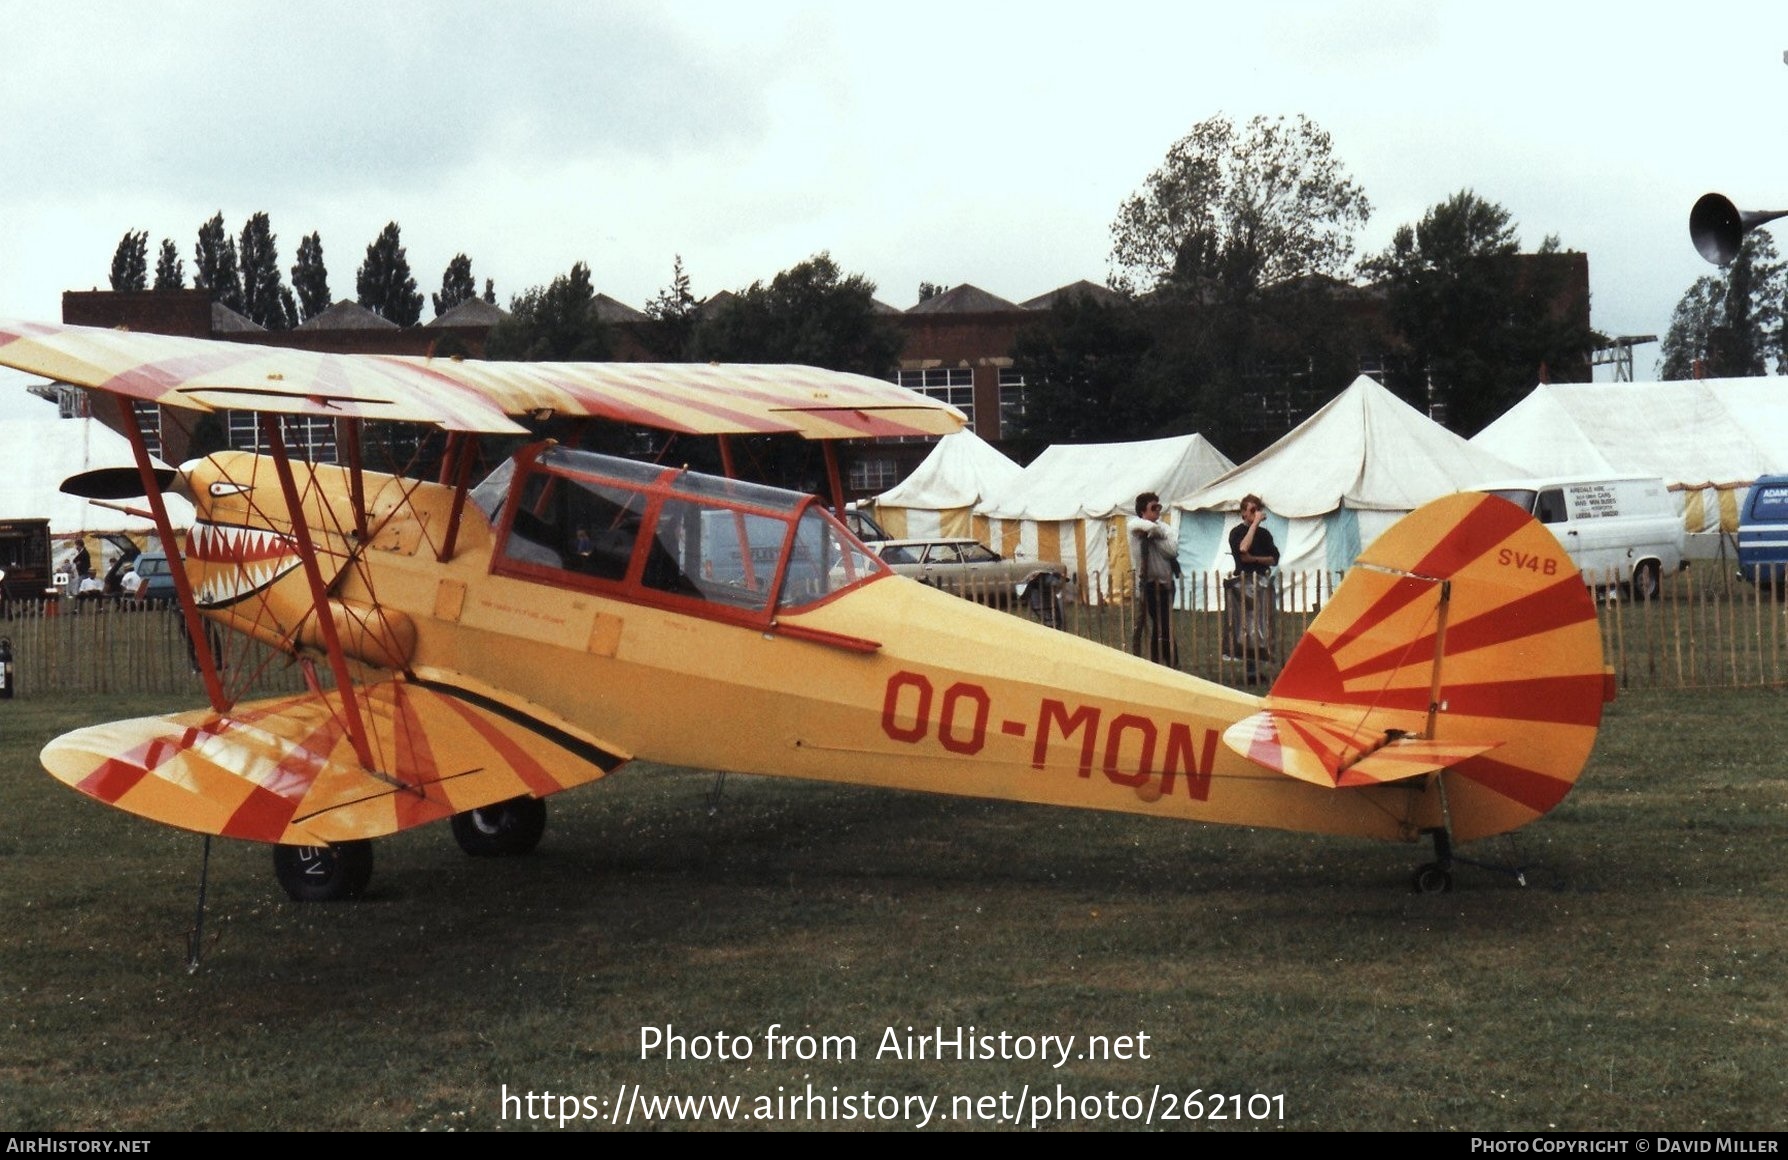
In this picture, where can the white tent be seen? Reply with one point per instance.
(1707, 439)
(1335, 481)
(1071, 503)
(938, 497)
(41, 453)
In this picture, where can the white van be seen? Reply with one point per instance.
(1624, 532)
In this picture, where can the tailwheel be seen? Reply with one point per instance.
(324, 873)
(1433, 878)
(1436, 877)
(511, 827)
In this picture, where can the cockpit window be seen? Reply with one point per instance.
(720, 543)
(824, 559)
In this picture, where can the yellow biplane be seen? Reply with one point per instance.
(474, 647)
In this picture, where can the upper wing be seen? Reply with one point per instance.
(692, 398)
(283, 770)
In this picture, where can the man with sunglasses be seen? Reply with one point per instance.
(1154, 553)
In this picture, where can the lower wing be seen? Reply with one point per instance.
(283, 770)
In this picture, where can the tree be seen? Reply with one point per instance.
(384, 283)
(674, 314)
(457, 285)
(1231, 211)
(1729, 324)
(264, 294)
(490, 291)
(214, 265)
(811, 313)
(1080, 366)
(170, 271)
(1237, 248)
(556, 322)
(130, 262)
(311, 278)
(1480, 321)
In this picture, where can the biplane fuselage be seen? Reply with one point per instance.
(674, 635)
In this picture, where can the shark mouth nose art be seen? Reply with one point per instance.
(237, 561)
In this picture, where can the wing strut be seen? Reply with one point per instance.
(319, 595)
(356, 478)
(832, 478)
(462, 479)
(164, 527)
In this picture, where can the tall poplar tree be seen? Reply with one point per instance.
(214, 264)
(310, 278)
(170, 270)
(384, 283)
(263, 291)
(130, 262)
(457, 285)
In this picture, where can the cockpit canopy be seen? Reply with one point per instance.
(667, 535)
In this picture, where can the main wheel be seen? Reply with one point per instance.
(511, 827)
(324, 873)
(1647, 582)
(1433, 878)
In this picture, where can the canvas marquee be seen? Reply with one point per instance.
(1070, 504)
(939, 497)
(1334, 482)
(1708, 439)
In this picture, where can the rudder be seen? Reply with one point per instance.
(1465, 623)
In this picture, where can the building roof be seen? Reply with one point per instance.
(611, 310)
(346, 315)
(1104, 295)
(963, 299)
(472, 312)
(227, 321)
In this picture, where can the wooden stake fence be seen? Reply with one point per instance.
(1705, 630)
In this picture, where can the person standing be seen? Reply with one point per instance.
(1155, 554)
(1251, 589)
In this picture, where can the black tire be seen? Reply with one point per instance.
(1647, 582)
(1433, 878)
(497, 831)
(324, 873)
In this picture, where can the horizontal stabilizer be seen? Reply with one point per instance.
(1325, 752)
(284, 770)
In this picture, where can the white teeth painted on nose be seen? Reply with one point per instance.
(239, 561)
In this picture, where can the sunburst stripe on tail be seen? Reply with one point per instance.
(1479, 533)
(1529, 616)
(1535, 789)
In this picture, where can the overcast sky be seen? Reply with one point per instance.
(950, 142)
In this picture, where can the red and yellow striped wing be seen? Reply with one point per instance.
(284, 770)
(692, 398)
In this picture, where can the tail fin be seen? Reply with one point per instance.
(1464, 633)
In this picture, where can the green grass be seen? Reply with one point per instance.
(1639, 982)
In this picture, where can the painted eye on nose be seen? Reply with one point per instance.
(226, 487)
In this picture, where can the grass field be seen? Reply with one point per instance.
(1639, 982)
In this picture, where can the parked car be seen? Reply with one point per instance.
(1619, 532)
(863, 526)
(158, 580)
(970, 569)
(1763, 534)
